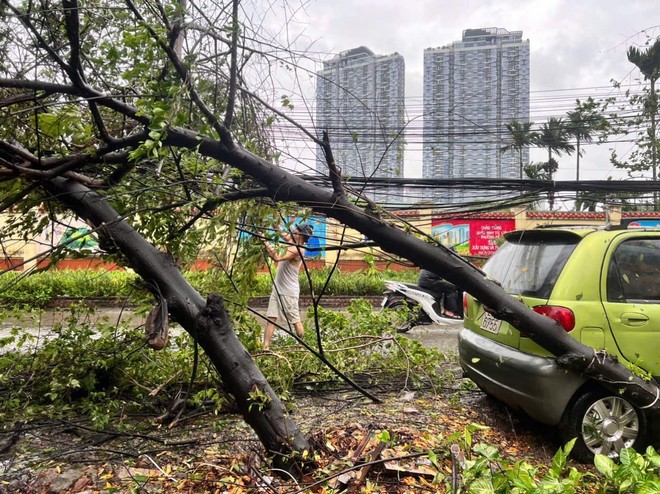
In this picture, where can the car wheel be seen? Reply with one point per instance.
(402, 314)
(603, 423)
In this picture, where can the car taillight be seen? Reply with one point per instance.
(465, 304)
(562, 315)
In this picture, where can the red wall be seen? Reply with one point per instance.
(11, 264)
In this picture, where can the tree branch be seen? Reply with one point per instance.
(211, 204)
(333, 172)
(222, 131)
(85, 92)
(20, 98)
(72, 23)
(53, 167)
(25, 20)
(233, 70)
(290, 188)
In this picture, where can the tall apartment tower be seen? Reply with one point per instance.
(360, 102)
(472, 89)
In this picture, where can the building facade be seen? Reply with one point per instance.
(360, 103)
(472, 89)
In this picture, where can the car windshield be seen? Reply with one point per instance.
(530, 264)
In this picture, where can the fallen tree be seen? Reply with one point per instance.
(71, 136)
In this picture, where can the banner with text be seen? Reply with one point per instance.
(474, 237)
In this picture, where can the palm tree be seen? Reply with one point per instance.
(555, 138)
(520, 137)
(582, 124)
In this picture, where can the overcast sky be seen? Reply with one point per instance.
(574, 45)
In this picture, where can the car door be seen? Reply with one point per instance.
(632, 298)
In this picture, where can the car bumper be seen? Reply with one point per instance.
(536, 385)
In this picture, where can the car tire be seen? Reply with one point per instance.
(603, 423)
(402, 322)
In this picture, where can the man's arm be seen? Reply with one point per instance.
(291, 252)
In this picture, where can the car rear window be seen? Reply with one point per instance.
(529, 265)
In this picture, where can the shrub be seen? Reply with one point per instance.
(85, 366)
(360, 343)
(37, 289)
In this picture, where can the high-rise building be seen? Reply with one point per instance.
(360, 102)
(472, 89)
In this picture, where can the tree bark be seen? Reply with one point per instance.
(209, 324)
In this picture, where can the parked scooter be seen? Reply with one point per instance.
(419, 306)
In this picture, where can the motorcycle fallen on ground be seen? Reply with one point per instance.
(416, 306)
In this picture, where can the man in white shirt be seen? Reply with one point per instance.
(283, 303)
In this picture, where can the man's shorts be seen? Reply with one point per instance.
(284, 308)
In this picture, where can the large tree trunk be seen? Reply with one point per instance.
(209, 324)
(574, 355)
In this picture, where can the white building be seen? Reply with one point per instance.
(472, 89)
(360, 103)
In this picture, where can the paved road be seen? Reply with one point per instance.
(41, 325)
(440, 336)
(444, 337)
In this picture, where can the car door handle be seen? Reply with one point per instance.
(634, 319)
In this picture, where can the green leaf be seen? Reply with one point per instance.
(568, 447)
(653, 456)
(482, 486)
(560, 458)
(522, 476)
(627, 456)
(652, 487)
(604, 465)
(384, 436)
(625, 484)
(488, 451)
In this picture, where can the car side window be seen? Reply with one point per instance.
(634, 272)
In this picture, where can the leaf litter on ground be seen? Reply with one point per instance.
(220, 453)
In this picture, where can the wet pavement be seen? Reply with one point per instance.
(40, 324)
(440, 336)
(49, 318)
(443, 337)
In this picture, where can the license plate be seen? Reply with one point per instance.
(490, 323)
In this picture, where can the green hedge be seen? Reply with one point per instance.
(37, 289)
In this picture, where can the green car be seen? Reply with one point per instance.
(603, 287)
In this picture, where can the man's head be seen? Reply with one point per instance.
(305, 231)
